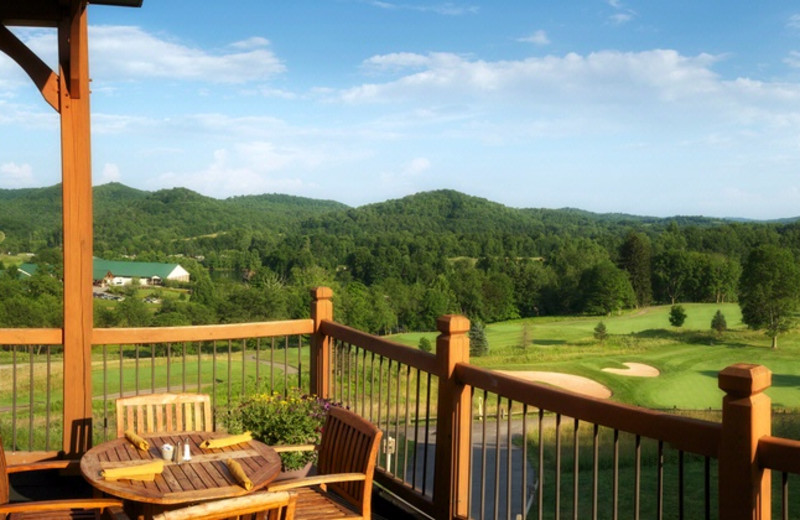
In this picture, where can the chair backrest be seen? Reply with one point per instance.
(4, 486)
(349, 444)
(164, 413)
(279, 505)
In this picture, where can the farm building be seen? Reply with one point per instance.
(116, 273)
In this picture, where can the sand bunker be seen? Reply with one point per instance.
(577, 384)
(635, 370)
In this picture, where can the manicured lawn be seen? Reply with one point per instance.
(689, 358)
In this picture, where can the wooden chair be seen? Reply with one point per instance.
(342, 487)
(258, 506)
(50, 509)
(164, 413)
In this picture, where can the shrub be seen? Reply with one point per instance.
(278, 420)
(677, 315)
(718, 322)
(425, 344)
(600, 332)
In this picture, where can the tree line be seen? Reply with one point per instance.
(399, 265)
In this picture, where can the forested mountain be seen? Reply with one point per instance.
(31, 218)
(401, 263)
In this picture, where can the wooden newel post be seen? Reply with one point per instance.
(744, 487)
(321, 309)
(453, 422)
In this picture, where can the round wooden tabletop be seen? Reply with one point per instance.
(204, 477)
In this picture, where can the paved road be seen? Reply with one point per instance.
(494, 489)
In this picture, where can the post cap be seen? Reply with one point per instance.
(322, 293)
(452, 324)
(744, 379)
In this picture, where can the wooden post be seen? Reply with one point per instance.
(453, 421)
(77, 226)
(320, 355)
(744, 487)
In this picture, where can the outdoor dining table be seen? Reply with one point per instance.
(204, 477)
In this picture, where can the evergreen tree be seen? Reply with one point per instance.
(478, 344)
(600, 332)
(718, 322)
(635, 257)
(677, 315)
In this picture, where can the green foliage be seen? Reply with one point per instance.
(600, 332)
(604, 289)
(677, 315)
(478, 344)
(279, 420)
(425, 344)
(718, 322)
(769, 290)
(635, 258)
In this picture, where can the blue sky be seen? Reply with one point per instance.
(650, 108)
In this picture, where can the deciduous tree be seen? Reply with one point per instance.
(769, 290)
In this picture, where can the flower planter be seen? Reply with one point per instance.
(294, 473)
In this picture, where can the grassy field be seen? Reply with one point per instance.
(689, 358)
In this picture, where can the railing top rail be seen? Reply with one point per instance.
(779, 454)
(412, 357)
(687, 434)
(121, 336)
(31, 336)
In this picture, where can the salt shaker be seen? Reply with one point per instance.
(187, 453)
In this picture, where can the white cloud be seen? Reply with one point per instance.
(446, 8)
(254, 167)
(13, 176)
(126, 53)
(794, 21)
(109, 173)
(620, 18)
(537, 38)
(608, 75)
(405, 179)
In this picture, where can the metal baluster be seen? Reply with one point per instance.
(427, 430)
(540, 483)
(558, 467)
(660, 482)
(615, 485)
(47, 399)
(681, 481)
(595, 468)
(497, 459)
(637, 476)
(30, 397)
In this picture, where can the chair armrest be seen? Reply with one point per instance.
(41, 465)
(294, 447)
(58, 505)
(316, 480)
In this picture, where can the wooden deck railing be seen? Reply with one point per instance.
(461, 441)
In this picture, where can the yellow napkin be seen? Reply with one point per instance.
(145, 471)
(227, 441)
(238, 474)
(136, 440)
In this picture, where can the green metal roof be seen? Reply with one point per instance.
(131, 269)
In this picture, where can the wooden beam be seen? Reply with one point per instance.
(36, 13)
(77, 224)
(45, 79)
